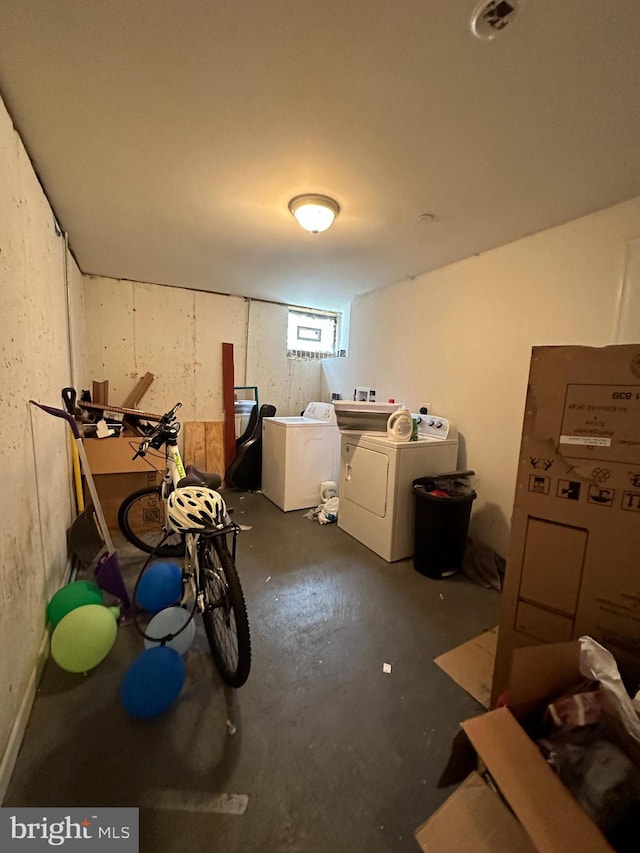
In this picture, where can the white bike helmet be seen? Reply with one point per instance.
(195, 508)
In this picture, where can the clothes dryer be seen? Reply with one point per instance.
(298, 454)
(376, 484)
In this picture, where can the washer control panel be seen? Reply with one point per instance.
(434, 426)
(321, 412)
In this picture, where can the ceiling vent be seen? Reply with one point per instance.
(491, 18)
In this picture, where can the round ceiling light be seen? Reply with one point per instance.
(315, 213)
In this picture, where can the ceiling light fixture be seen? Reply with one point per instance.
(315, 213)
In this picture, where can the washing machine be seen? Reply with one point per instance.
(376, 483)
(298, 454)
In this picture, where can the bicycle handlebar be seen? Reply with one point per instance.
(167, 427)
(170, 416)
(142, 449)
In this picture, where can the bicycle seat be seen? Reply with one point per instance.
(196, 477)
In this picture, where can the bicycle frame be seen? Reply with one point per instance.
(175, 472)
(175, 469)
(209, 576)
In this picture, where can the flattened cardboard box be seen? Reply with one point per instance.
(574, 559)
(471, 665)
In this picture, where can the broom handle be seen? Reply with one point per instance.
(60, 413)
(77, 474)
(94, 496)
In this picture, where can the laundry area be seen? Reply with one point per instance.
(320, 407)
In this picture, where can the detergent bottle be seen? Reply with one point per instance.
(400, 425)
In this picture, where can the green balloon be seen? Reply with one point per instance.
(83, 638)
(72, 595)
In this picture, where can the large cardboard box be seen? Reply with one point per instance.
(573, 566)
(117, 474)
(113, 489)
(115, 456)
(549, 818)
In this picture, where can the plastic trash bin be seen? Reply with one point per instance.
(442, 513)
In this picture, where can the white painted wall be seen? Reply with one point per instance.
(36, 498)
(460, 338)
(628, 322)
(177, 335)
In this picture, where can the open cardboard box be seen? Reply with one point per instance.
(572, 566)
(549, 818)
(117, 474)
(115, 456)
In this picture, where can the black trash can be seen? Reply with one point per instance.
(442, 513)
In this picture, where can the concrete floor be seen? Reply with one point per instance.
(333, 754)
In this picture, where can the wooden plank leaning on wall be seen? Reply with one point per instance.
(204, 445)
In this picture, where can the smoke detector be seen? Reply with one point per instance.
(490, 18)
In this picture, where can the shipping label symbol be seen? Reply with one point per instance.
(538, 484)
(545, 464)
(569, 489)
(631, 501)
(601, 475)
(635, 479)
(601, 497)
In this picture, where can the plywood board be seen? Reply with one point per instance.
(214, 446)
(204, 445)
(195, 452)
(471, 665)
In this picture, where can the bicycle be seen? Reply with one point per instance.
(185, 516)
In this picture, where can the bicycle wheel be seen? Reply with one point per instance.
(225, 613)
(141, 520)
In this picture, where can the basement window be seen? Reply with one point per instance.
(313, 334)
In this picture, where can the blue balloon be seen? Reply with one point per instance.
(160, 586)
(152, 683)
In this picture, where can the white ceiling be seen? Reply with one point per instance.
(170, 135)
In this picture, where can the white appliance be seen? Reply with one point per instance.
(242, 411)
(362, 418)
(298, 454)
(376, 483)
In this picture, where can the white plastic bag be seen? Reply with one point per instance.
(598, 664)
(328, 511)
(325, 512)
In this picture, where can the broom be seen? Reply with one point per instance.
(107, 572)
